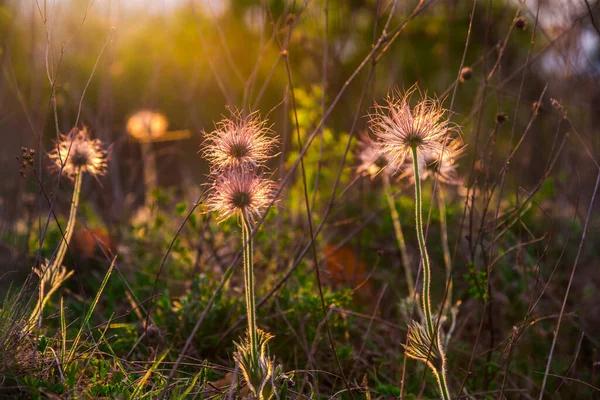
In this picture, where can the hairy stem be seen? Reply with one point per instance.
(56, 263)
(426, 298)
(247, 243)
(64, 244)
(399, 235)
(440, 378)
(440, 374)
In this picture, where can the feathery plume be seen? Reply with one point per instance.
(404, 132)
(239, 142)
(77, 152)
(237, 151)
(399, 128)
(372, 162)
(239, 192)
(444, 165)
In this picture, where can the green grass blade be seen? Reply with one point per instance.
(63, 330)
(192, 384)
(144, 379)
(91, 309)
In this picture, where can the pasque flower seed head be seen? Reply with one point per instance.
(239, 142)
(239, 191)
(76, 151)
(399, 127)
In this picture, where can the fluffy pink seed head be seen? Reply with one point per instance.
(372, 162)
(445, 166)
(239, 142)
(77, 151)
(431, 164)
(398, 127)
(239, 191)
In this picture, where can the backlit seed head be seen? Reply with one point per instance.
(399, 128)
(372, 162)
(76, 151)
(239, 142)
(239, 191)
(431, 164)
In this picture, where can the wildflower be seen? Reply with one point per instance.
(77, 152)
(239, 192)
(403, 132)
(372, 162)
(399, 129)
(147, 126)
(239, 142)
(237, 151)
(443, 166)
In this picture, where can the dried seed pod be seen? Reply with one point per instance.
(465, 74)
(501, 117)
(520, 23)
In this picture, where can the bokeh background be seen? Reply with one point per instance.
(97, 63)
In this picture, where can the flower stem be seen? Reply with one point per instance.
(440, 373)
(399, 235)
(249, 284)
(440, 378)
(56, 263)
(64, 244)
(426, 298)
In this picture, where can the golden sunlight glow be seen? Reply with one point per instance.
(146, 125)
